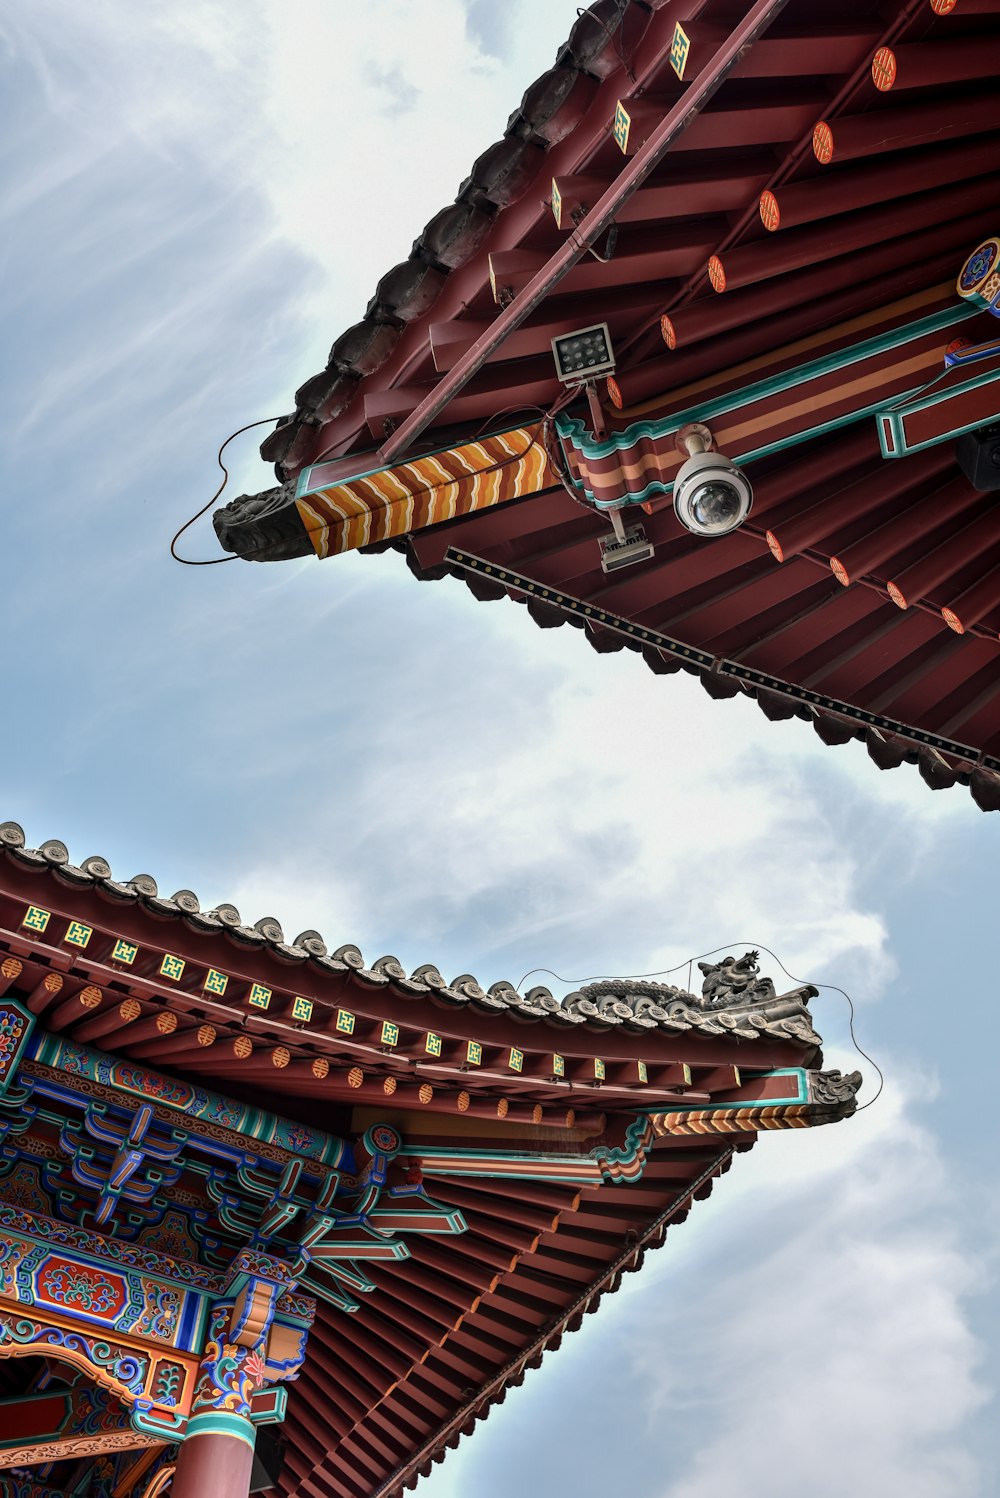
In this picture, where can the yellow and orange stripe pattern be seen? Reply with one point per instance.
(753, 1118)
(424, 491)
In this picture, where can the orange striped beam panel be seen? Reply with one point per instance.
(341, 514)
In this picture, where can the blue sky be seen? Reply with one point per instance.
(199, 198)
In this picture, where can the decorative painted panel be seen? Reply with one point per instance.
(80, 1062)
(16, 1025)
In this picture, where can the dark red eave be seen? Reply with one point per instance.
(386, 1391)
(907, 193)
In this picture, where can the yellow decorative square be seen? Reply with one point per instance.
(556, 203)
(36, 919)
(124, 951)
(432, 1045)
(679, 49)
(474, 1053)
(302, 1008)
(621, 126)
(390, 1033)
(345, 1022)
(558, 1065)
(77, 934)
(516, 1059)
(598, 1069)
(172, 967)
(216, 982)
(640, 1067)
(259, 996)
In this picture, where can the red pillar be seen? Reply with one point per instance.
(215, 1462)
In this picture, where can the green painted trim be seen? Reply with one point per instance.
(276, 1416)
(782, 445)
(304, 487)
(894, 416)
(28, 1020)
(800, 1094)
(442, 1220)
(574, 430)
(221, 1423)
(186, 1099)
(571, 1168)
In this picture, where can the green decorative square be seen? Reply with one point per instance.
(474, 1053)
(216, 982)
(599, 1069)
(516, 1061)
(302, 1008)
(641, 1069)
(390, 1033)
(620, 129)
(432, 1045)
(172, 967)
(556, 202)
(259, 997)
(558, 1065)
(124, 951)
(78, 935)
(679, 49)
(345, 1022)
(36, 919)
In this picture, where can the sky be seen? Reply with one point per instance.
(198, 198)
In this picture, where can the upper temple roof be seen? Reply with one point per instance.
(829, 160)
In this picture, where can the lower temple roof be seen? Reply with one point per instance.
(547, 1147)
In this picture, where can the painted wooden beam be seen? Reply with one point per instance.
(959, 399)
(638, 464)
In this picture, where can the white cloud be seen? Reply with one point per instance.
(808, 1329)
(214, 191)
(562, 808)
(241, 176)
(837, 1351)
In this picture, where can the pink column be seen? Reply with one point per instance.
(214, 1463)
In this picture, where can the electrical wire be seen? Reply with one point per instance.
(614, 37)
(215, 561)
(728, 946)
(541, 433)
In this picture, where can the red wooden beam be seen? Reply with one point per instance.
(818, 243)
(850, 136)
(941, 564)
(710, 318)
(910, 525)
(933, 64)
(825, 196)
(973, 605)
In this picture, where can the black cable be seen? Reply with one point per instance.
(539, 433)
(614, 37)
(728, 946)
(215, 561)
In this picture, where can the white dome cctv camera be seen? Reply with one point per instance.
(711, 495)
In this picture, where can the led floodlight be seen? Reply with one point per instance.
(583, 355)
